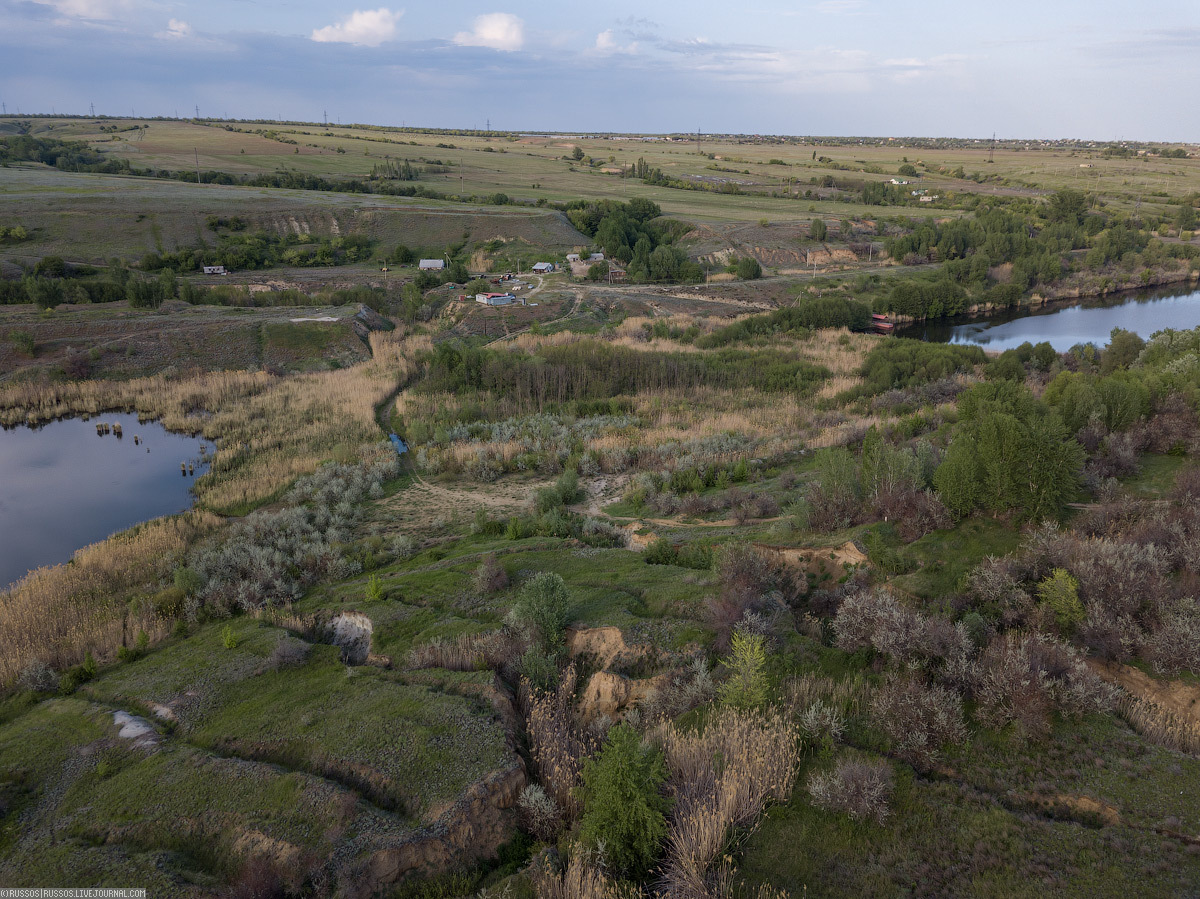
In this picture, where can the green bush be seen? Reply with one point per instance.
(543, 606)
(374, 588)
(539, 668)
(228, 638)
(624, 809)
(1059, 592)
(748, 269)
(746, 686)
(661, 552)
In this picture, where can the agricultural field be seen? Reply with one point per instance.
(687, 586)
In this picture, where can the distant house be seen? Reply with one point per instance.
(616, 273)
(543, 268)
(572, 257)
(215, 270)
(432, 265)
(899, 181)
(495, 299)
(929, 198)
(596, 257)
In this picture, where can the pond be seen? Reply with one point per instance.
(1063, 325)
(64, 486)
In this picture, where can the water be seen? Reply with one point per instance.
(1063, 326)
(63, 486)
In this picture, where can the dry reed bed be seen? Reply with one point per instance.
(58, 614)
(722, 779)
(1159, 725)
(774, 423)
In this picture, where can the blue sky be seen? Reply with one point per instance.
(1054, 68)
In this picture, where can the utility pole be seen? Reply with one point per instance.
(92, 109)
(5, 106)
(992, 149)
(325, 116)
(197, 111)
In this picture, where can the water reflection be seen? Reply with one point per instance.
(66, 485)
(1090, 321)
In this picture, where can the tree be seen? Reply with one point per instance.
(1123, 349)
(817, 229)
(748, 269)
(543, 606)
(1010, 455)
(746, 687)
(45, 292)
(598, 271)
(1059, 592)
(624, 808)
(1185, 218)
(1067, 206)
(577, 154)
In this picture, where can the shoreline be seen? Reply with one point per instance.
(985, 311)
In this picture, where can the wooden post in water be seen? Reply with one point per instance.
(183, 469)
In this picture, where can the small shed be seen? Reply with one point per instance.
(432, 265)
(215, 270)
(495, 299)
(543, 268)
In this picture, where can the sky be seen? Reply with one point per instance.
(1092, 69)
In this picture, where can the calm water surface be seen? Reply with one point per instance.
(1090, 321)
(63, 486)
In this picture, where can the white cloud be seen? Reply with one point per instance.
(89, 9)
(176, 30)
(365, 27)
(605, 42)
(497, 30)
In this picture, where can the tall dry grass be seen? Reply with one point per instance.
(1159, 725)
(582, 879)
(556, 745)
(467, 652)
(721, 779)
(59, 614)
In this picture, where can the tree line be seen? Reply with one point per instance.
(594, 370)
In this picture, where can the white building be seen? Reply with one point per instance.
(543, 268)
(495, 299)
(432, 265)
(215, 270)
